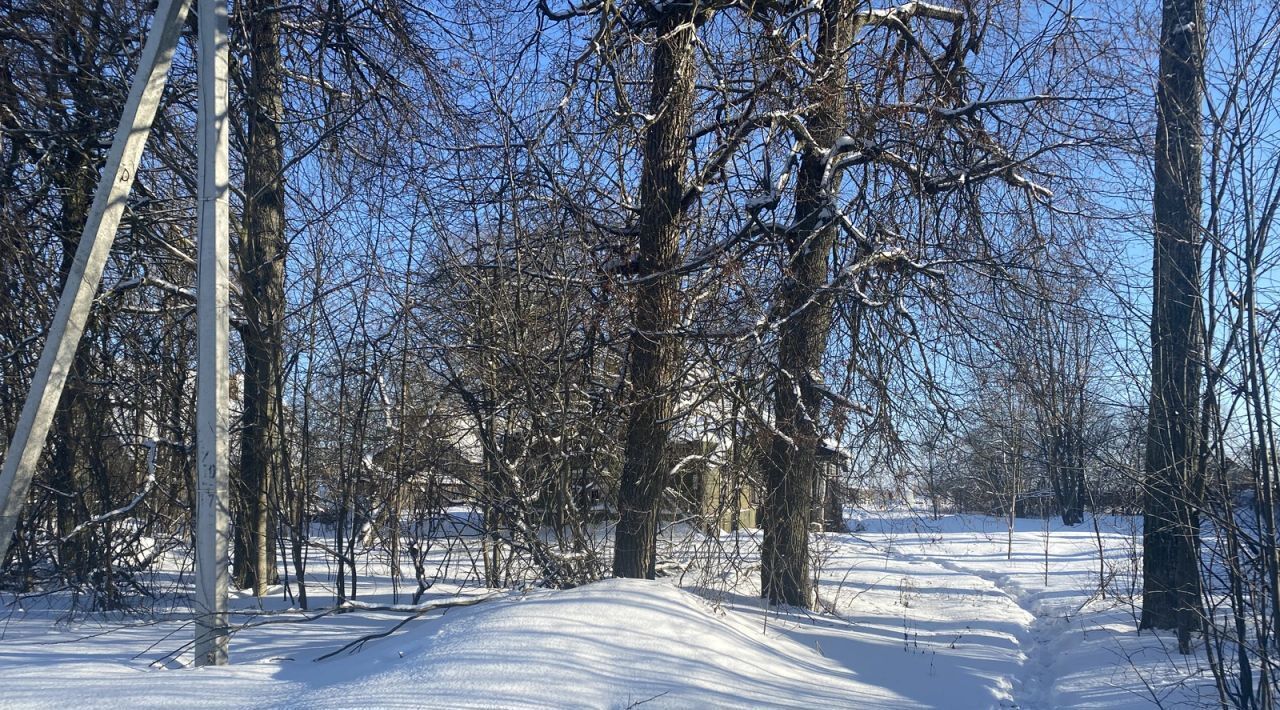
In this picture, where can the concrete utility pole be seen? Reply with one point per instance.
(85, 276)
(212, 316)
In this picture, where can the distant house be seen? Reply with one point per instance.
(726, 494)
(704, 485)
(447, 466)
(829, 495)
(723, 488)
(711, 485)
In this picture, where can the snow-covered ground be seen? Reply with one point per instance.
(953, 613)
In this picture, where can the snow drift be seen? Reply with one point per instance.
(615, 643)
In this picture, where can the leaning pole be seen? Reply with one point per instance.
(114, 185)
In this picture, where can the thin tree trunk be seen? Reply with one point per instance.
(76, 180)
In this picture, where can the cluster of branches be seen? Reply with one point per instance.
(645, 263)
(1037, 434)
(1231, 486)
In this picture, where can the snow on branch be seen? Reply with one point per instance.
(910, 10)
(147, 485)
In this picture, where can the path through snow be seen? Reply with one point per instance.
(1044, 635)
(1075, 646)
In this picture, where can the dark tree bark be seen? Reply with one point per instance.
(68, 467)
(654, 352)
(1171, 535)
(791, 467)
(75, 178)
(263, 251)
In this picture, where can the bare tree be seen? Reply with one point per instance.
(262, 256)
(654, 347)
(1171, 531)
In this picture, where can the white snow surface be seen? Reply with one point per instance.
(915, 613)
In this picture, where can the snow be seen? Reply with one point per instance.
(1072, 645)
(612, 643)
(915, 613)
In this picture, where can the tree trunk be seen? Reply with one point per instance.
(1171, 536)
(76, 180)
(68, 468)
(654, 347)
(792, 467)
(262, 260)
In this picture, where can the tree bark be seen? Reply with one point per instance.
(1171, 535)
(654, 352)
(791, 467)
(68, 466)
(70, 470)
(263, 251)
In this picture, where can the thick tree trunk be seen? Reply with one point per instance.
(262, 261)
(792, 467)
(1171, 536)
(1076, 479)
(654, 347)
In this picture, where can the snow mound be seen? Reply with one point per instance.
(616, 643)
